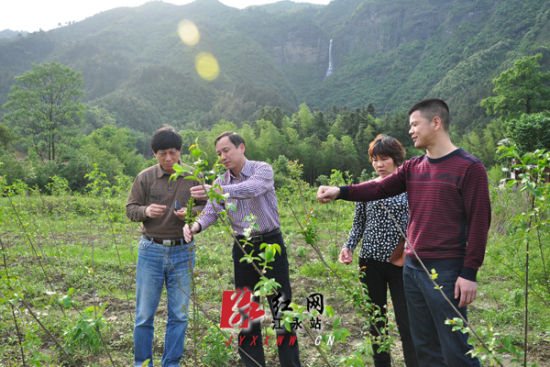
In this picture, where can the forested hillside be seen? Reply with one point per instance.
(385, 53)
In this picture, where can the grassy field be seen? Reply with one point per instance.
(68, 270)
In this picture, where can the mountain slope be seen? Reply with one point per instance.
(386, 53)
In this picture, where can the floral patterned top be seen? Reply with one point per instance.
(377, 229)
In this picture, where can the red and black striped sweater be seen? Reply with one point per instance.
(449, 206)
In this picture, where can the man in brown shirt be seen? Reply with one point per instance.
(164, 257)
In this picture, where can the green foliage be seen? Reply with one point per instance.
(522, 256)
(482, 142)
(44, 105)
(217, 352)
(280, 171)
(521, 92)
(5, 136)
(99, 184)
(113, 150)
(530, 131)
(342, 146)
(96, 117)
(495, 174)
(75, 169)
(139, 71)
(320, 137)
(522, 89)
(58, 186)
(85, 333)
(11, 168)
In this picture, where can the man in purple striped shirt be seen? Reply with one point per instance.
(249, 186)
(450, 214)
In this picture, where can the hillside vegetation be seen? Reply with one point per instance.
(386, 53)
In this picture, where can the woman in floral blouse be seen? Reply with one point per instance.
(380, 258)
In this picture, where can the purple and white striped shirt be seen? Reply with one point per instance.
(252, 193)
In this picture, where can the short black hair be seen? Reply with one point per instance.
(431, 107)
(387, 146)
(235, 138)
(166, 138)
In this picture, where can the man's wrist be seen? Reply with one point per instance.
(469, 274)
(343, 193)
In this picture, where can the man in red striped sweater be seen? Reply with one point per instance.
(450, 215)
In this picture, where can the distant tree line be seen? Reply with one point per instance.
(48, 131)
(321, 141)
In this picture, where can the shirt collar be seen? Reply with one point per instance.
(160, 172)
(246, 171)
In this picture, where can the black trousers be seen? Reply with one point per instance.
(247, 276)
(376, 277)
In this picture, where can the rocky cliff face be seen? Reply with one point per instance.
(297, 51)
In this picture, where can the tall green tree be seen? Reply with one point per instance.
(304, 120)
(482, 142)
(5, 136)
(43, 104)
(273, 114)
(524, 88)
(111, 144)
(530, 131)
(271, 141)
(320, 125)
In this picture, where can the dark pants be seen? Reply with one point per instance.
(377, 276)
(247, 276)
(435, 343)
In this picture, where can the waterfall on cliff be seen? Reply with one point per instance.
(330, 65)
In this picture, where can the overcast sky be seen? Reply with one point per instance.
(33, 15)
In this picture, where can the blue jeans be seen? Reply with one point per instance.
(435, 343)
(158, 265)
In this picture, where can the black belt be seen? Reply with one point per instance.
(167, 242)
(261, 237)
